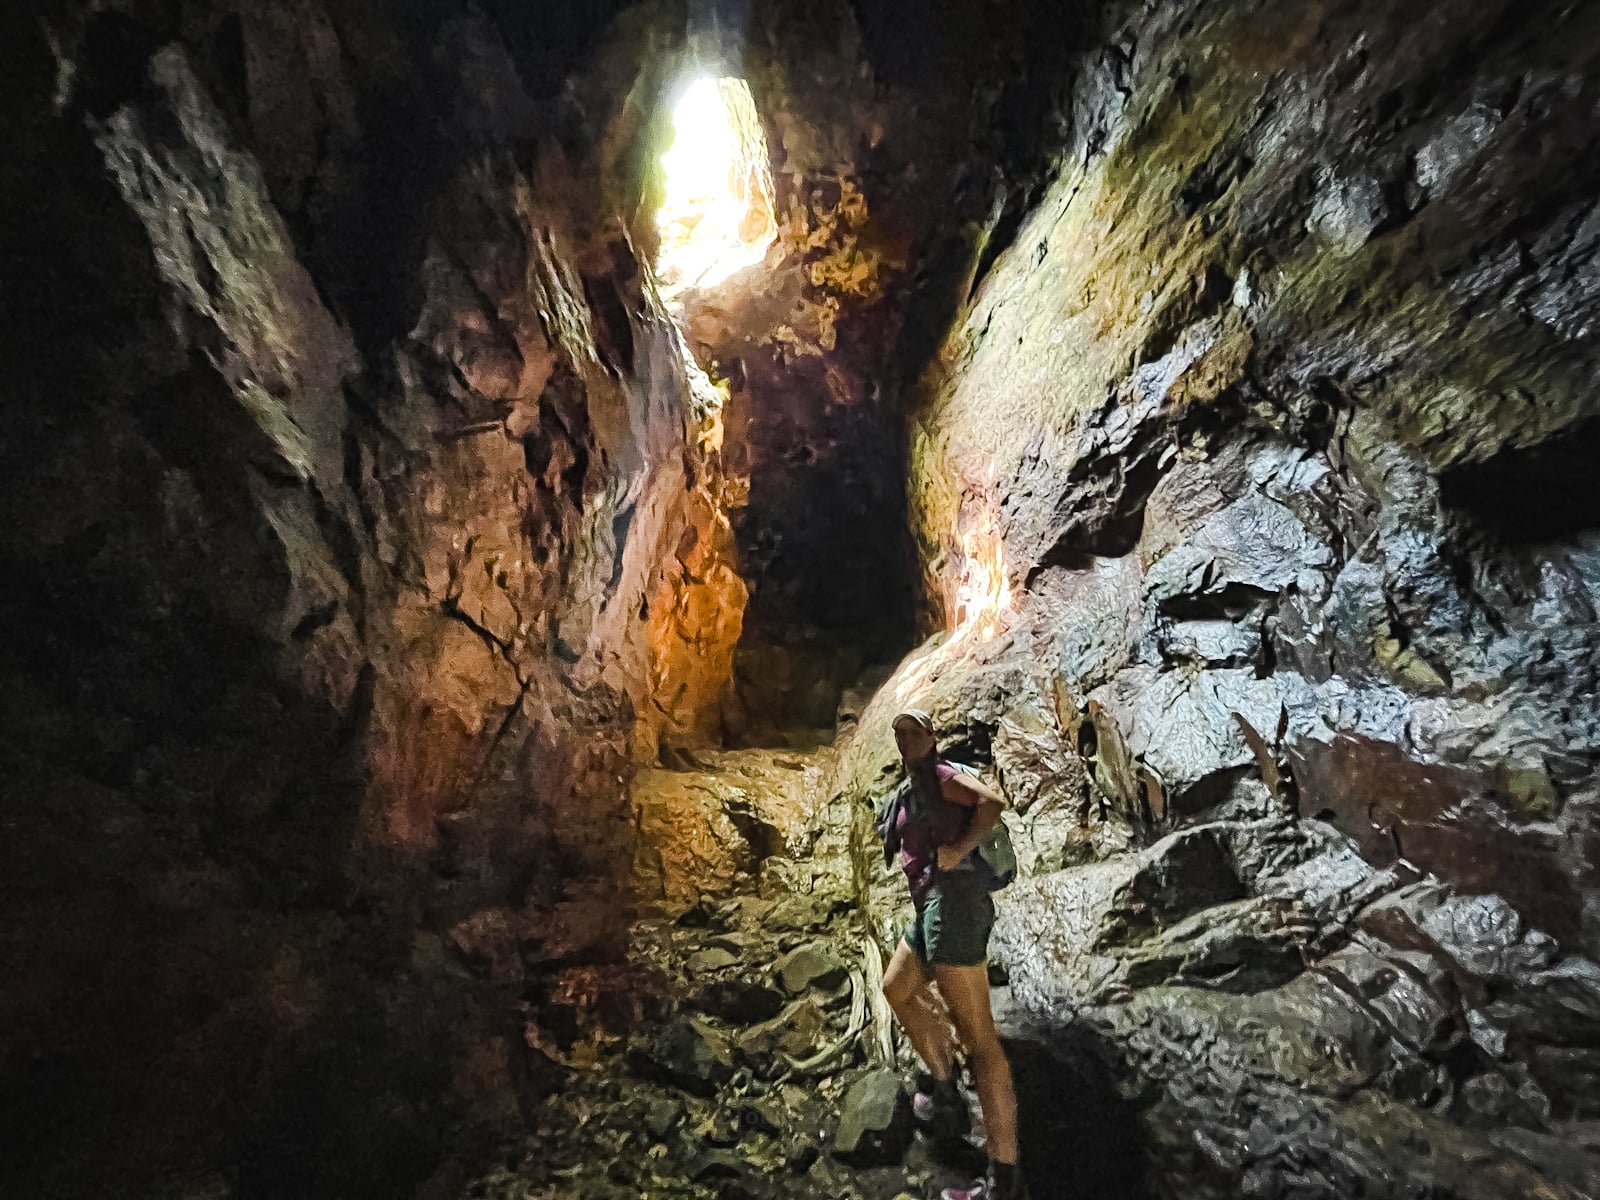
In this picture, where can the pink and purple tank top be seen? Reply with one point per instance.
(920, 839)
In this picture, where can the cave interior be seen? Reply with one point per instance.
(482, 478)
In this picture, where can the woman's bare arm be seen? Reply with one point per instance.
(969, 790)
(974, 793)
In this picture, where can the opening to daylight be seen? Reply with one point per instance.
(716, 216)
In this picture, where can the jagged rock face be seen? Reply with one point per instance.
(363, 528)
(370, 526)
(1299, 1023)
(1222, 478)
(704, 832)
(1162, 406)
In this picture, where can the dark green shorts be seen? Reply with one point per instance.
(951, 928)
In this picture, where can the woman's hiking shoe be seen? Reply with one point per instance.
(941, 1110)
(1002, 1182)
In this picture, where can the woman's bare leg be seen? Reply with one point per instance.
(966, 995)
(906, 988)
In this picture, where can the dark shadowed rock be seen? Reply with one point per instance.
(742, 1001)
(686, 1055)
(797, 1033)
(662, 1116)
(875, 1125)
(810, 967)
(712, 959)
(718, 1166)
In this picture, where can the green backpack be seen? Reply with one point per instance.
(995, 854)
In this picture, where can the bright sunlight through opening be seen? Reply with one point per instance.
(716, 217)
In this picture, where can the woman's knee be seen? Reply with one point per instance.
(983, 1047)
(898, 985)
(903, 978)
(900, 990)
(899, 998)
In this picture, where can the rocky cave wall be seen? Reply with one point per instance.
(363, 528)
(804, 342)
(368, 522)
(1268, 416)
(1295, 277)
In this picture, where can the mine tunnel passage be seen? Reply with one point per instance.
(483, 477)
(819, 512)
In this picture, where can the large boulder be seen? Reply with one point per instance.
(810, 966)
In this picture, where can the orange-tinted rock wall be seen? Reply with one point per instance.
(364, 530)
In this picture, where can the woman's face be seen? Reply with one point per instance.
(915, 742)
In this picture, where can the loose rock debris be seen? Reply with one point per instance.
(760, 1075)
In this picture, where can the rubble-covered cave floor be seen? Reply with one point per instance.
(1241, 1002)
(751, 1034)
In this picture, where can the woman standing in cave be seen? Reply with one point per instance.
(938, 827)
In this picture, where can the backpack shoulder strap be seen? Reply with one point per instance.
(891, 801)
(887, 820)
